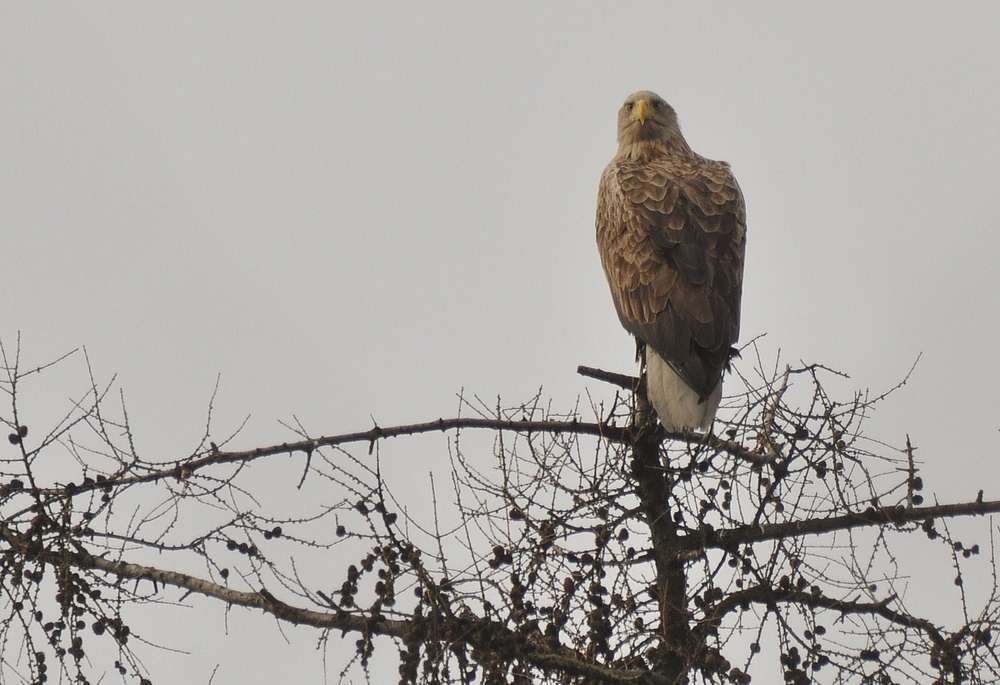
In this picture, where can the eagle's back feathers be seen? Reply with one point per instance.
(671, 231)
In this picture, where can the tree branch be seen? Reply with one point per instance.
(729, 538)
(484, 634)
(765, 594)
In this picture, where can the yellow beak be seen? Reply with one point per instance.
(640, 111)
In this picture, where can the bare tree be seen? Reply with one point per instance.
(556, 548)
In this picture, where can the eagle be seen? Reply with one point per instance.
(671, 230)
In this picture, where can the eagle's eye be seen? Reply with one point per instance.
(629, 106)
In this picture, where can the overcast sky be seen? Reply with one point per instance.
(355, 210)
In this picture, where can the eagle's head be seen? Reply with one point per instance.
(646, 116)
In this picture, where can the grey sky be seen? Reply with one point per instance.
(357, 210)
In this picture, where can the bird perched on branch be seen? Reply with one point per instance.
(671, 229)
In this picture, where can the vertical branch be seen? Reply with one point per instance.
(913, 481)
(653, 487)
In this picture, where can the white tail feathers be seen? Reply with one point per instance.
(675, 402)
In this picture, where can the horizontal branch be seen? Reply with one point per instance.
(184, 469)
(262, 600)
(733, 537)
(622, 380)
(485, 635)
(481, 633)
(620, 434)
(766, 594)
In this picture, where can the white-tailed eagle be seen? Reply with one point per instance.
(671, 229)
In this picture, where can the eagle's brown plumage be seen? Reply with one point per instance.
(671, 232)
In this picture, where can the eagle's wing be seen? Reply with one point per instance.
(671, 235)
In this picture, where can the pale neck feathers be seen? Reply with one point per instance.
(650, 149)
